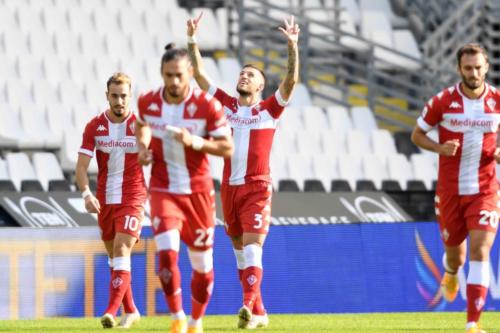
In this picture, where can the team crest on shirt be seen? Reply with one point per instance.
(191, 109)
(491, 103)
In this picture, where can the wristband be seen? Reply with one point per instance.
(86, 193)
(198, 142)
(192, 39)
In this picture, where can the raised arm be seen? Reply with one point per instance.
(291, 31)
(195, 56)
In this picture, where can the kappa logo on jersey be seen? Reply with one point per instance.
(455, 105)
(117, 282)
(101, 128)
(191, 109)
(491, 104)
(153, 107)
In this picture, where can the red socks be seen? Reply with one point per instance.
(170, 278)
(201, 290)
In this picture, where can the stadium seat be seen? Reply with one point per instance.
(229, 69)
(37, 132)
(47, 168)
(118, 48)
(158, 21)
(279, 169)
(363, 119)
(375, 169)
(30, 19)
(131, 20)
(61, 185)
(313, 185)
(350, 168)
(421, 201)
(55, 69)
(145, 46)
(45, 94)
(314, 118)
(82, 114)
(67, 44)
(404, 42)
(54, 19)
(59, 116)
(106, 66)
(383, 143)
(80, 21)
(71, 91)
(41, 43)
(340, 185)
(81, 69)
(394, 190)
(31, 185)
(333, 142)
(358, 143)
(17, 92)
(404, 144)
(105, 21)
(300, 96)
(20, 168)
(68, 154)
(12, 134)
(365, 185)
(178, 18)
(424, 169)
(8, 19)
(209, 37)
(299, 168)
(324, 168)
(92, 44)
(30, 68)
(399, 169)
(6, 185)
(339, 119)
(15, 42)
(8, 70)
(212, 70)
(308, 142)
(291, 120)
(284, 142)
(288, 185)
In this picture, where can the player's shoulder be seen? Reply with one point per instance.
(447, 94)
(201, 97)
(150, 100)
(96, 121)
(493, 92)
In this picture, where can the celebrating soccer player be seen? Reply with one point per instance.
(176, 129)
(121, 192)
(467, 116)
(246, 187)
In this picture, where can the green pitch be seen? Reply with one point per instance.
(362, 323)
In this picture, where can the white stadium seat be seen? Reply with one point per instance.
(308, 142)
(279, 169)
(358, 143)
(41, 43)
(424, 169)
(80, 21)
(291, 119)
(363, 119)
(212, 70)
(158, 22)
(8, 68)
(4, 170)
(11, 132)
(44, 94)
(350, 168)
(374, 168)
(67, 44)
(59, 117)
(36, 128)
(47, 168)
(71, 92)
(20, 168)
(118, 48)
(92, 44)
(325, 169)
(55, 69)
(339, 119)
(55, 20)
(30, 68)
(8, 20)
(105, 67)
(210, 36)
(68, 155)
(30, 19)
(18, 92)
(399, 169)
(383, 143)
(131, 20)
(334, 142)
(81, 69)
(314, 118)
(300, 96)
(105, 21)
(145, 46)
(15, 42)
(229, 69)
(300, 168)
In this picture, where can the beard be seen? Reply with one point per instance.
(119, 113)
(472, 84)
(243, 92)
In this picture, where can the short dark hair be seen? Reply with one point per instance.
(471, 49)
(173, 53)
(257, 68)
(119, 78)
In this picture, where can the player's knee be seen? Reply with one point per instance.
(169, 240)
(480, 252)
(253, 255)
(452, 263)
(201, 261)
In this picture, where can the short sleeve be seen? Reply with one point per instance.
(88, 141)
(217, 125)
(431, 115)
(275, 104)
(220, 94)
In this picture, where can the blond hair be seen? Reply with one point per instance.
(119, 78)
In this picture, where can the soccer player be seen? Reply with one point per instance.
(246, 187)
(177, 127)
(467, 116)
(121, 192)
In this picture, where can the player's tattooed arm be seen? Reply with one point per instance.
(195, 56)
(291, 31)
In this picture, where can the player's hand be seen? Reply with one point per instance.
(145, 156)
(449, 148)
(291, 30)
(184, 137)
(192, 25)
(92, 205)
(496, 155)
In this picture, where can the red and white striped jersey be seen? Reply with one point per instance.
(176, 168)
(253, 130)
(120, 178)
(474, 122)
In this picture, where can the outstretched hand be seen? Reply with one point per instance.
(291, 30)
(192, 25)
